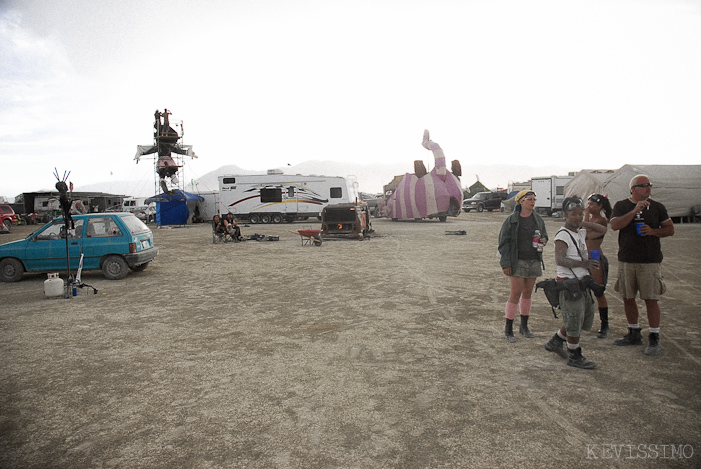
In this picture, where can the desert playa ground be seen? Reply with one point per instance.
(382, 353)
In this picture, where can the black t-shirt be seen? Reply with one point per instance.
(526, 230)
(632, 247)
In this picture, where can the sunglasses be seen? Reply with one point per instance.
(530, 199)
(647, 184)
(596, 198)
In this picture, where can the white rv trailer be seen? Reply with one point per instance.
(549, 192)
(274, 197)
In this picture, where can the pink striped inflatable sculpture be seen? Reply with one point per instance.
(437, 194)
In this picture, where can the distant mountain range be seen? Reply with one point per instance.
(369, 178)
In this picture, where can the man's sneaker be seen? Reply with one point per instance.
(576, 360)
(653, 344)
(557, 345)
(633, 337)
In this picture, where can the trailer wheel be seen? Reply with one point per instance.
(277, 218)
(253, 219)
(265, 218)
(442, 218)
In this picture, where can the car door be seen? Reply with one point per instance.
(46, 250)
(103, 235)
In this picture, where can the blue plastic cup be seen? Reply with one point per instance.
(638, 228)
(595, 255)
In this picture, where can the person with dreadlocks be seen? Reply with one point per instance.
(598, 210)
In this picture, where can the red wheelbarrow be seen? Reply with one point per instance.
(310, 237)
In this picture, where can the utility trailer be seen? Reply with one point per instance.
(346, 221)
(275, 197)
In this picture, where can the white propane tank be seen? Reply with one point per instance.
(53, 286)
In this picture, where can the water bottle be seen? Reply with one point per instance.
(536, 241)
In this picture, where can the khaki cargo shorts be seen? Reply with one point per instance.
(578, 315)
(528, 269)
(643, 278)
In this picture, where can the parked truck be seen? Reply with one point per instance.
(276, 197)
(549, 192)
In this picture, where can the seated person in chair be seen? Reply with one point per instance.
(217, 225)
(232, 227)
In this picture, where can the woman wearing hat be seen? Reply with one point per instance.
(599, 211)
(521, 242)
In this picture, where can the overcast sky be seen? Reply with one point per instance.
(267, 83)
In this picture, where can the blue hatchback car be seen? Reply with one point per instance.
(111, 242)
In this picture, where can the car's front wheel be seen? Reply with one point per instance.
(8, 225)
(480, 208)
(114, 267)
(10, 270)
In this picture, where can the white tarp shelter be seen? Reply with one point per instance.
(676, 186)
(587, 182)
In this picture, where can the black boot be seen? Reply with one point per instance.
(509, 330)
(523, 328)
(653, 345)
(604, 331)
(556, 344)
(578, 361)
(633, 337)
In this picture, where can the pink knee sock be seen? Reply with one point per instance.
(511, 309)
(526, 306)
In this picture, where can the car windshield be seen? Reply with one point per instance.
(135, 225)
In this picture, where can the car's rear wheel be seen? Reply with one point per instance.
(114, 267)
(10, 270)
(140, 267)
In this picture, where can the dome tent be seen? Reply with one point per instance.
(174, 208)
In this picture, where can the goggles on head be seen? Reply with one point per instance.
(573, 203)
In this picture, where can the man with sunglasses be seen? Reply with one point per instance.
(641, 222)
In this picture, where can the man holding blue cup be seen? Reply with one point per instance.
(641, 222)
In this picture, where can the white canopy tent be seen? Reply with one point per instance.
(587, 182)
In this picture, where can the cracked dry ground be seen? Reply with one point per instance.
(386, 352)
